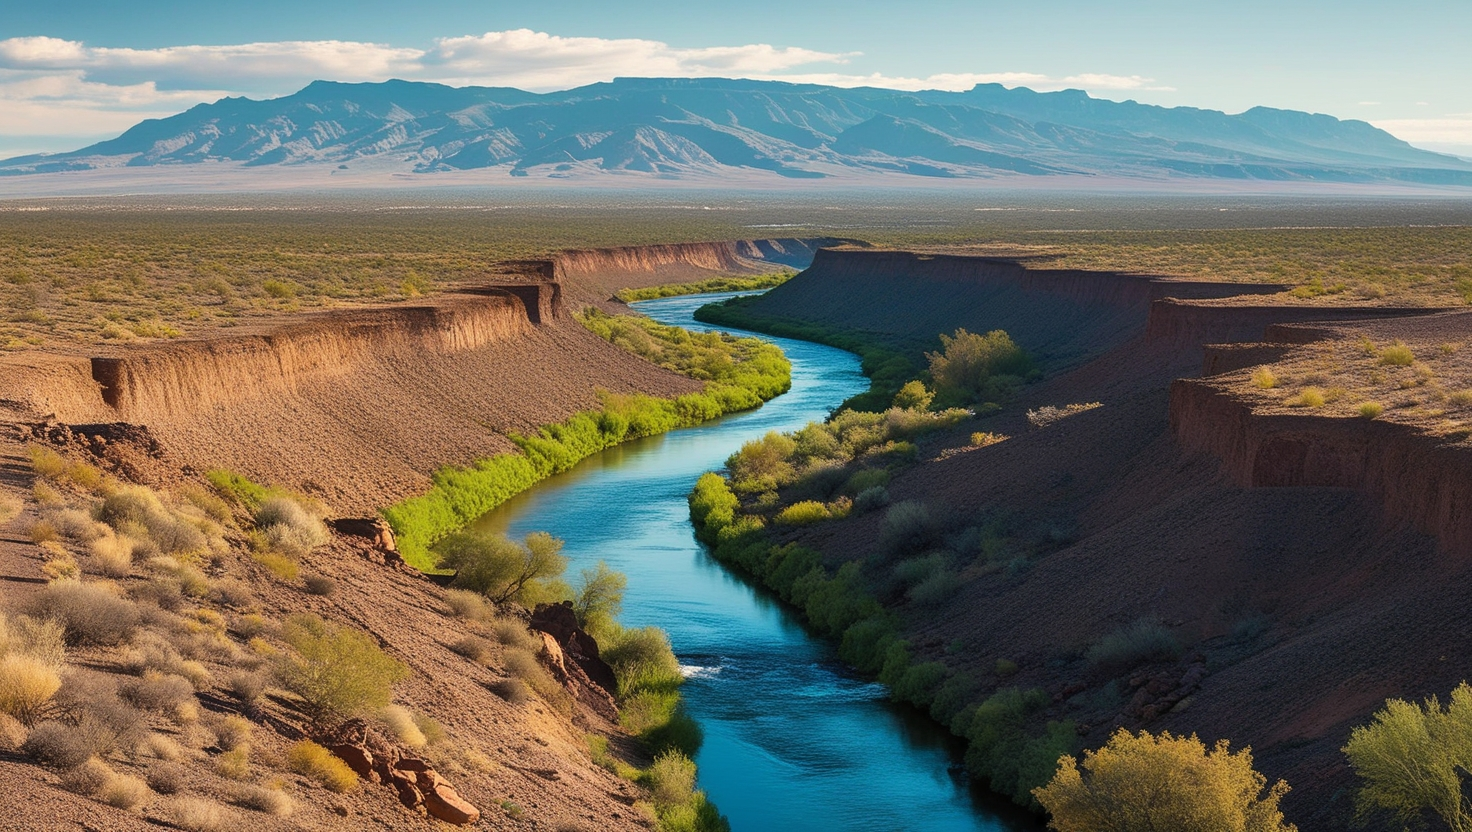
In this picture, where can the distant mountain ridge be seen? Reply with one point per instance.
(681, 128)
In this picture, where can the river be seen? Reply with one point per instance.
(793, 741)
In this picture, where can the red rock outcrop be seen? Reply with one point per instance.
(417, 785)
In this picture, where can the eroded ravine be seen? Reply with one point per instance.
(793, 741)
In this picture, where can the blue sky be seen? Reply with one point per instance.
(75, 71)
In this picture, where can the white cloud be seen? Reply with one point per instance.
(1454, 129)
(50, 86)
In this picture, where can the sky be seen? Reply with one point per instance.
(78, 71)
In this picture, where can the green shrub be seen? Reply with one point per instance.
(909, 527)
(498, 568)
(914, 396)
(1164, 782)
(1265, 378)
(90, 613)
(1397, 355)
(337, 671)
(1307, 397)
(803, 513)
(1413, 759)
(599, 597)
(970, 367)
(1141, 642)
(715, 284)
(1371, 410)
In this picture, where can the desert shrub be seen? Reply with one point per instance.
(166, 777)
(87, 778)
(61, 566)
(157, 692)
(288, 527)
(400, 723)
(469, 605)
(1162, 782)
(914, 396)
(75, 524)
(46, 462)
(241, 490)
(969, 366)
(264, 799)
(90, 613)
(44, 531)
(57, 745)
(475, 648)
(523, 665)
(512, 690)
(337, 671)
(803, 513)
(113, 554)
(871, 499)
(1265, 378)
(232, 732)
(246, 687)
(123, 792)
(213, 507)
(26, 686)
(41, 639)
(312, 760)
(1005, 668)
(514, 633)
(499, 568)
(1412, 760)
(234, 764)
(983, 439)
(162, 591)
(138, 512)
(1397, 355)
(233, 592)
(1307, 397)
(9, 508)
(909, 527)
(281, 565)
(320, 585)
(199, 814)
(1141, 642)
(599, 597)
(935, 588)
(1371, 410)
(99, 717)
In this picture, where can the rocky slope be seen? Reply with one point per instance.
(680, 128)
(1308, 558)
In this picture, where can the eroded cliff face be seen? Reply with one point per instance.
(1062, 316)
(172, 380)
(594, 275)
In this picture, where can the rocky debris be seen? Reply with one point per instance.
(417, 784)
(374, 538)
(561, 623)
(571, 676)
(122, 448)
(375, 529)
(1158, 693)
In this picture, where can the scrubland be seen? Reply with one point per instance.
(106, 271)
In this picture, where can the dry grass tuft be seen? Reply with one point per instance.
(113, 554)
(272, 801)
(401, 724)
(124, 792)
(9, 508)
(1265, 378)
(27, 684)
(198, 814)
(469, 605)
(90, 613)
(312, 760)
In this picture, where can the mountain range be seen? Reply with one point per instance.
(684, 128)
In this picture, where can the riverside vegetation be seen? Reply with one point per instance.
(739, 374)
(711, 286)
(492, 573)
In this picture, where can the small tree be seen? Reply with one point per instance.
(498, 568)
(338, 671)
(965, 368)
(913, 396)
(600, 597)
(1162, 782)
(1414, 758)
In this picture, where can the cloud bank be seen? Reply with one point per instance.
(50, 87)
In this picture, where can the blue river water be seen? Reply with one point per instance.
(793, 740)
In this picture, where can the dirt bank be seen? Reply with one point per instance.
(1308, 558)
